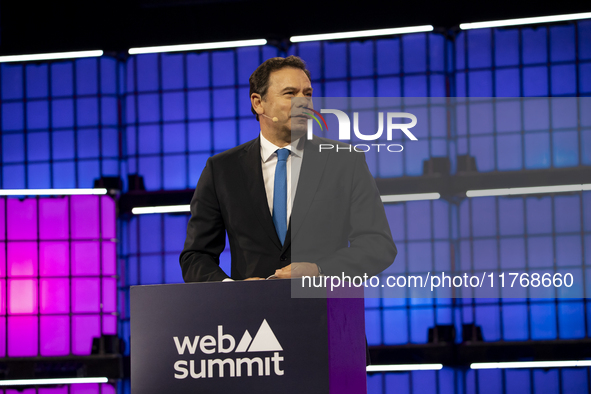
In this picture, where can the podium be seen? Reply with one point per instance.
(244, 337)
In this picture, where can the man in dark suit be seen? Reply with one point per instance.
(337, 224)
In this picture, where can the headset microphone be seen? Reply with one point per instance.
(274, 119)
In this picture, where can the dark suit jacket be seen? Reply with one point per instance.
(337, 221)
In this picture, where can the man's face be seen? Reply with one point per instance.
(288, 94)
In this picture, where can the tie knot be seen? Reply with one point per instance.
(282, 154)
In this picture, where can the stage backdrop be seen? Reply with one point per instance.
(67, 123)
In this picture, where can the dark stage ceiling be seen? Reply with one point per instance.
(49, 26)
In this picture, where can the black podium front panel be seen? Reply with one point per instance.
(231, 337)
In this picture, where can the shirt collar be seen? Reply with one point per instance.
(268, 148)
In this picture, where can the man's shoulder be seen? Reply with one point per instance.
(235, 152)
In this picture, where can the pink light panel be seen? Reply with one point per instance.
(57, 284)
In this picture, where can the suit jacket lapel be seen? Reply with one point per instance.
(287, 237)
(253, 176)
(311, 172)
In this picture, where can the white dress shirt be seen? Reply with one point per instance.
(294, 164)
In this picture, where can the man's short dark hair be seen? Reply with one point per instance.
(259, 79)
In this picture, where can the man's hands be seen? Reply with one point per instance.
(297, 270)
(294, 270)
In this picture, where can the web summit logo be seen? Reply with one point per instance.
(345, 129)
(264, 341)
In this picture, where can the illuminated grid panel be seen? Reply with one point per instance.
(523, 134)
(538, 233)
(412, 65)
(487, 233)
(406, 321)
(183, 108)
(559, 233)
(57, 277)
(566, 380)
(543, 61)
(59, 122)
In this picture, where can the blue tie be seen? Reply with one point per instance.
(280, 194)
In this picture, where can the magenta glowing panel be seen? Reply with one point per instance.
(54, 258)
(58, 288)
(54, 212)
(21, 219)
